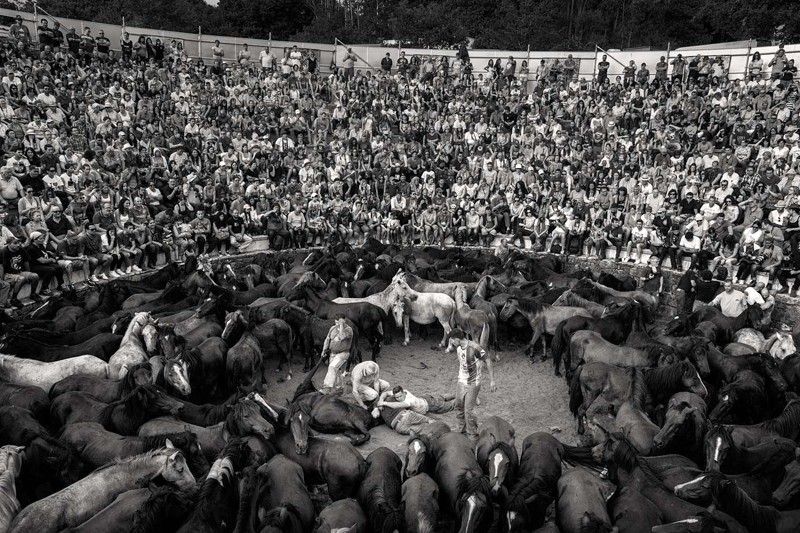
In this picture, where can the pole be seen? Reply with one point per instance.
(36, 19)
(200, 42)
(594, 69)
(747, 59)
(270, 40)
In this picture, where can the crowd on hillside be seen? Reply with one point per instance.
(113, 157)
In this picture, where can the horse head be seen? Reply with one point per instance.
(790, 486)
(691, 379)
(233, 321)
(474, 502)
(174, 469)
(718, 443)
(176, 373)
(244, 418)
(150, 399)
(682, 406)
(299, 420)
(509, 308)
(121, 323)
(502, 465)
(417, 449)
(698, 488)
(727, 398)
(150, 337)
(700, 523)
(398, 306)
(272, 414)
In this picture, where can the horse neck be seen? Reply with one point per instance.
(786, 422)
(130, 473)
(481, 288)
(134, 330)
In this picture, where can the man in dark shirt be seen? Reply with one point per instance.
(42, 262)
(689, 206)
(126, 47)
(14, 270)
(386, 63)
(103, 45)
(73, 42)
(602, 70)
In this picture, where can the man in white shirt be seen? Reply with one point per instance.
(267, 59)
(731, 302)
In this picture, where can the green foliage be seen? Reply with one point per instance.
(504, 24)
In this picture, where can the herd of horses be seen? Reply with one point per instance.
(142, 405)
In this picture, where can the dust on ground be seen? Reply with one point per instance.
(528, 395)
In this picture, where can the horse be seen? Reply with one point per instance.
(30, 398)
(646, 300)
(753, 316)
(341, 516)
(86, 497)
(724, 454)
(526, 500)
(611, 386)
(369, 318)
(327, 413)
(10, 465)
(785, 494)
(581, 501)
(195, 373)
(750, 337)
(380, 491)
(586, 346)
(148, 510)
(729, 498)
(630, 422)
(420, 497)
(135, 345)
(422, 308)
(217, 502)
(123, 416)
(102, 346)
(684, 426)
(476, 323)
(496, 453)
(311, 332)
(103, 389)
(285, 505)
(44, 375)
(418, 284)
(462, 483)
(742, 401)
(333, 462)
(614, 327)
(244, 365)
(242, 419)
(542, 318)
(488, 285)
(419, 450)
(98, 446)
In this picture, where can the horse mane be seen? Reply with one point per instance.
(640, 391)
(786, 422)
(730, 498)
(127, 401)
(530, 305)
(280, 517)
(665, 377)
(525, 489)
(627, 456)
(164, 510)
(129, 381)
(132, 459)
(471, 483)
(180, 439)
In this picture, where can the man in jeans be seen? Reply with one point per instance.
(337, 347)
(471, 358)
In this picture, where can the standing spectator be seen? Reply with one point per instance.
(386, 63)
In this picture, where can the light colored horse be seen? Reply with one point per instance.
(543, 318)
(383, 299)
(21, 371)
(569, 298)
(475, 323)
(10, 465)
(423, 285)
(751, 337)
(135, 300)
(140, 339)
(421, 307)
(83, 499)
(645, 299)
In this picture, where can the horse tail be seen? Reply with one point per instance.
(576, 392)
(578, 454)
(560, 342)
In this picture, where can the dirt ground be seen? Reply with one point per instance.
(528, 395)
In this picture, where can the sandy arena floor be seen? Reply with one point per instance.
(528, 395)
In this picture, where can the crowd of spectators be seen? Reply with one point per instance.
(115, 157)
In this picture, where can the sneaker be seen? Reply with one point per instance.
(103, 277)
(128, 270)
(120, 272)
(136, 268)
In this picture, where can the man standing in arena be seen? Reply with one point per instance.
(471, 359)
(337, 348)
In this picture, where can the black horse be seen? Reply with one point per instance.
(285, 503)
(380, 491)
(327, 413)
(122, 416)
(742, 401)
(102, 345)
(103, 389)
(27, 397)
(527, 499)
(613, 327)
(729, 498)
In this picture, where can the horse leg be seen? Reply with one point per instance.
(407, 330)
(544, 346)
(447, 329)
(356, 438)
(537, 332)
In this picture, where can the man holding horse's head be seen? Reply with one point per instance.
(337, 347)
(471, 359)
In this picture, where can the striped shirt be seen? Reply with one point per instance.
(470, 363)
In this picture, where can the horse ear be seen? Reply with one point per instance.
(168, 444)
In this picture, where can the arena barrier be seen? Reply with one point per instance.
(368, 57)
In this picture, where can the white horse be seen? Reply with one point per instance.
(139, 340)
(421, 307)
(10, 465)
(383, 299)
(21, 371)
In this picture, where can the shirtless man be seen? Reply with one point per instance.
(399, 398)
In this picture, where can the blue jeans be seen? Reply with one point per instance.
(466, 399)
